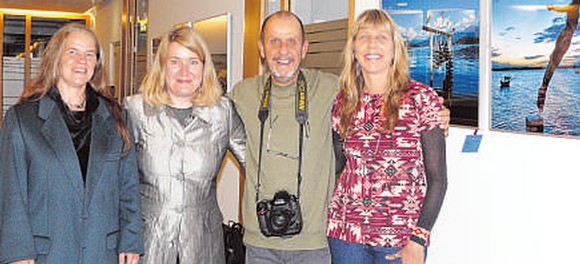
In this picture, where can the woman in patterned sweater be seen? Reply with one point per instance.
(390, 192)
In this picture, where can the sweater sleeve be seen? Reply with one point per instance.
(16, 239)
(131, 240)
(433, 145)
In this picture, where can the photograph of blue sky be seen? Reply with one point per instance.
(444, 54)
(524, 33)
(462, 16)
(529, 92)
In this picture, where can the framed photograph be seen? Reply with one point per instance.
(443, 44)
(535, 82)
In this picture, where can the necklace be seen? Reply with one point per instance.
(77, 106)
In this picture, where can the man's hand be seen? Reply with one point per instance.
(444, 117)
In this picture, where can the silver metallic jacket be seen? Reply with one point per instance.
(178, 168)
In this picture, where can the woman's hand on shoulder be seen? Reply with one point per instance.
(27, 261)
(128, 258)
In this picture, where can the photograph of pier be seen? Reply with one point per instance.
(443, 44)
(535, 82)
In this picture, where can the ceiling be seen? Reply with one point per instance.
(74, 6)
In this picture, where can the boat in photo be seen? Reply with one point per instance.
(505, 81)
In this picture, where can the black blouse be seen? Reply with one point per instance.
(79, 124)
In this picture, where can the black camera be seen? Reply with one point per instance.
(280, 216)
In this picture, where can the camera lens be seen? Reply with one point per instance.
(280, 220)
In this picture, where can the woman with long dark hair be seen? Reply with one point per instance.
(69, 188)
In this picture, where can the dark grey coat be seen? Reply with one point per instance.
(47, 212)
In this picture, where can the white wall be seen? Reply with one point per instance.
(514, 201)
(164, 14)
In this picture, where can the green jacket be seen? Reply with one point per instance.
(280, 152)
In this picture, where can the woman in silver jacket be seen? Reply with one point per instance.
(182, 128)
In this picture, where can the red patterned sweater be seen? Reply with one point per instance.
(379, 195)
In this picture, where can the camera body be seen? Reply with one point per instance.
(280, 216)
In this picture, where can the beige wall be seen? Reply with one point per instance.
(108, 29)
(164, 14)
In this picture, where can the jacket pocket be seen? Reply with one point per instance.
(42, 245)
(113, 156)
(38, 200)
(113, 239)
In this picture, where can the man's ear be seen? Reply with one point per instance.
(304, 48)
(261, 49)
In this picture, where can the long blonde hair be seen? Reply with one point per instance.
(352, 82)
(153, 88)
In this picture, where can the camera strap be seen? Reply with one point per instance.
(301, 117)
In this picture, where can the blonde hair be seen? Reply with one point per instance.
(153, 88)
(352, 82)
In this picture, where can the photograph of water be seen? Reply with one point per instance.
(535, 82)
(443, 44)
(512, 105)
